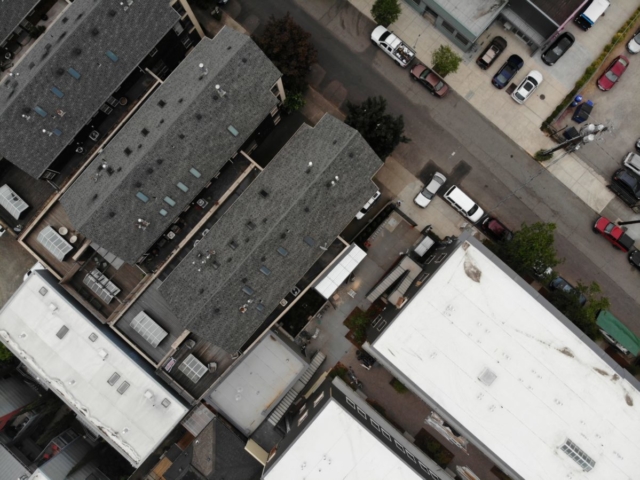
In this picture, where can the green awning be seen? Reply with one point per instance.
(621, 334)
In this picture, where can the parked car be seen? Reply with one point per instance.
(507, 71)
(496, 230)
(527, 86)
(426, 195)
(628, 181)
(430, 80)
(463, 204)
(634, 258)
(590, 13)
(634, 44)
(632, 162)
(393, 46)
(367, 205)
(558, 48)
(612, 232)
(560, 283)
(609, 78)
(491, 53)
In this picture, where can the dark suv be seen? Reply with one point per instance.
(627, 186)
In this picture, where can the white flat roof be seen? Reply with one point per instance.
(78, 370)
(549, 385)
(255, 386)
(337, 446)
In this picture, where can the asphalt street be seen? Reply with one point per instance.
(452, 136)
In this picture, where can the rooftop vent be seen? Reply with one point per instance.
(64, 20)
(306, 209)
(198, 116)
(112, 13)
(166, 402)
(112, 214)
(264, 193)
(138, 184)
(59, 72)
(487, 377)
(76, 51)
(159, 161)
(113, 379)
(233, 244)
(181, 136)
(93, 337)
(251, 225)
(144, 132)
(95, 32)
(43, 291)
(149, 170)
(162, 103)
(128, 151)
(62, 332)
(283, 235)
(244, 60)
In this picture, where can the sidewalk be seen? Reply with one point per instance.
(521, 123)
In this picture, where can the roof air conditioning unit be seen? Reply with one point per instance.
(53, 307)
(148, 395)
(507, 26)
(103, 354)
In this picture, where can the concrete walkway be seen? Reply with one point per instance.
(521, 122)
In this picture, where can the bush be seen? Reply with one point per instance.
(543, 157)
(293, 102)
(385, 12)
(445, 61)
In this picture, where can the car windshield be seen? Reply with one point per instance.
(608, 228)
(519, 96)
(424, 73)
(611, 76)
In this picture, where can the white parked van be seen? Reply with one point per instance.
(461, 202)
(592, 11)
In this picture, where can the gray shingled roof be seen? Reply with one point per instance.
(12, 12)
(183, 125)
(10, 466)
(79, 39)
(208, 297)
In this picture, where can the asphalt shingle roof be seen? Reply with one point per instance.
(79, 39)
(287, 203)
(12, 12)
(184, 124)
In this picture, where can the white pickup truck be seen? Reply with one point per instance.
(392, 46)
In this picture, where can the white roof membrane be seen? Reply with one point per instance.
(336, 446)
(499, 363)
(339, 273)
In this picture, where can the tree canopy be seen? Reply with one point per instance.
(584, 317)
(5, 353)
(385, 12)
(290, 49)
(382, 131)
(445, 61)
(531, 249)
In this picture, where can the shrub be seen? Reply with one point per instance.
(398, 386)
(542, 157)
(445, 61)
(385, 12)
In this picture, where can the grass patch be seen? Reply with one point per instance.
(433, 448)
(398, 386)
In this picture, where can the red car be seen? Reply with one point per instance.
(613, 73)
(429, 80)
(617, 236)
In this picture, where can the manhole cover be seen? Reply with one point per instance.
(542, 97)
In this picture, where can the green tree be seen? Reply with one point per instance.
(569, 304)
(294, 102)
(5, 354)
(531, 249)
(289, 47)
(385, 12)
(445, 61)
(382, 131)
(595, 300)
